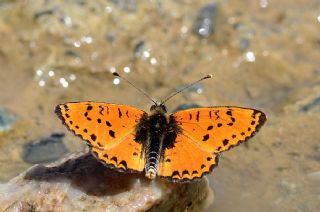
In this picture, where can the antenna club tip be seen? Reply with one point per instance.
(115, 74)
(208, 76)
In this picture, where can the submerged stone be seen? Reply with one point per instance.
(205, 22)
(7, 119)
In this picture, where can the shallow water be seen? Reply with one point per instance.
(263, 55)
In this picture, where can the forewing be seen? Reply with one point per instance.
(108, 129)
(217, 129)
(186, 161)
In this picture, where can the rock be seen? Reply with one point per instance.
(81, 183)
(126, 5)
(7, 119)
(304, 99)
(244, 44)
(45, 150)
(204, 26)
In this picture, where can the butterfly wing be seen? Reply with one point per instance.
(186, 161)
(108, 129)
(217, 129)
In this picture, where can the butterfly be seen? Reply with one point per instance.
(181, 147)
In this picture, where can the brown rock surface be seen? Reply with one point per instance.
(80, 183)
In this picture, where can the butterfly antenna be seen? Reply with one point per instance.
(186, 87)
(140, 90)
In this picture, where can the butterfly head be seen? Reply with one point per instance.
(158, 108)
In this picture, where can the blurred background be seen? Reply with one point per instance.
(263, 54)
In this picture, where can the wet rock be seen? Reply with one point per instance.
(45, 150)
(304, 99)
(186, 106)
(244, 44)
(205, 23)
(127, 5)
(311, 105)
(81, 183)
(42, 13)
(7, 119)
(139, 49)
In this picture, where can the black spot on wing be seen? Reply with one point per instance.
(114, 158)
(217, 114)
(119, 113)
(108, 124)
(198, 116)
(124, 164)
(175, 173)
(89, 107)
(185, 172)
(112, 133)
(205, 137)
(210, 127)
(194, 172)
(101, 109)
(225, 142)
(66, 107)
(93, 137)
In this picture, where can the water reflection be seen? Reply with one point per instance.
(50, 77)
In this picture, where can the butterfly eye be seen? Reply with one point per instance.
(164, 108)
(153, 108)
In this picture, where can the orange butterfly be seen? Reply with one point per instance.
(180, 147)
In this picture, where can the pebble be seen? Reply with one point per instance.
(42, 13)
(7, 119)
(45, 150)
(126, 5)
(205, 22)
(311, 105)
(244, 44)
